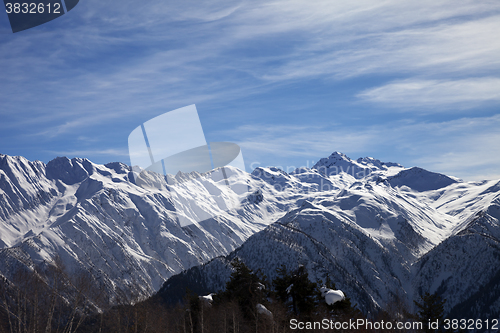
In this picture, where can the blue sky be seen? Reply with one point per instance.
(416, 83)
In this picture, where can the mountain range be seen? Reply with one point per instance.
(379, 230)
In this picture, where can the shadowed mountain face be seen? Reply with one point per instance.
(420, 180)
(377, 229)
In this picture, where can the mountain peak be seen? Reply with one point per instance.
(336, 155)
(377, 163)
(70, 171)
(6, 159)
(334, 159)
(420, 179)
(338, 163)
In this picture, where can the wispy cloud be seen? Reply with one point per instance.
(467, 148)
(392, 41)
(416, 93)
(187, 52)
(300, 140)
(111, 153)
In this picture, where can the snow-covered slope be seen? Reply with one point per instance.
(376, 228)
(465, 268)
(96, 219)
(385, 235)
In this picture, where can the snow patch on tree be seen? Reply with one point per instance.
(331, 296)
(261, 309)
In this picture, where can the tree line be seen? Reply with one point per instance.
(57, 302)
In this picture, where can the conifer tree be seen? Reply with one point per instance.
(430, 310)
(245, 287)
(296, 291)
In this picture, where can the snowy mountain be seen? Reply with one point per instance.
(377, 229)
(465, 268)
(382, 236)
(97, 220)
